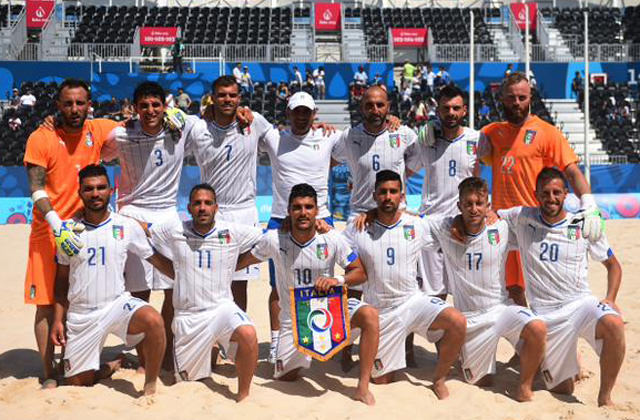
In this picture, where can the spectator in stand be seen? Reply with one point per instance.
(509, 70)
(205, 101)
(297, 77)
(577, 85)
(112, 108)
(15, 99)
(431, 77)
(183, 100)
(484, 112)
(378, 80)
(176, 53)
(283, 91)
(237, 73)
(170, 100)
(421, 112)
(126, 110)
(246, 84)
(408, 70)
(318, 76)
(27, 101)
(14, 121)
(406, 94)
(444, 76)
(309, 83)
(360, 77)
(532, 80)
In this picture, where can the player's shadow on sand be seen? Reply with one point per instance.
(218, 389)
(20, 364)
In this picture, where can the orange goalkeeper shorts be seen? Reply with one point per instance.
(513, 270)
(41, 271)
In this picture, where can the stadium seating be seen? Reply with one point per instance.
(16, 9)
(446, 25)
(199, 25)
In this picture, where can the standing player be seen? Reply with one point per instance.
(477, 283)
(90, 290)
(304, 257)
(298, 155)
(228, 162)
(518, 149)
(390, 249)
(151, 156)
(53, 158)
(447, 150)
(554, 252)
(205, 252)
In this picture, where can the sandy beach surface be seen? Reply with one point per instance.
(324, 391)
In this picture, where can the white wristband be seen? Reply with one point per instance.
(37, 195)
(53, 219)
(587, 201)
(340, 280)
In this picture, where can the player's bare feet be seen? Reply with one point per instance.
(605, 401)
(49, 384)
(364, 396)
(524, 394)
(149, 389)
(440, 389)
(241, 397)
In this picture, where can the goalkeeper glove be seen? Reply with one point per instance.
(592, 221)
(65, 234)
(428, 133)
(174, 121)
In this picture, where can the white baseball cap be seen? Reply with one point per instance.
(301, 99)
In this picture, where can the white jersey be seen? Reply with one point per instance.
(299, 159)
(446, 164)
(228, 162)
(204, 264)
(390, 256)
(151, 165)
(476, 269)
(554, 257)
(96, 274)
(366, 154)
(299, 265)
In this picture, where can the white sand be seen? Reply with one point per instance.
(324, 391)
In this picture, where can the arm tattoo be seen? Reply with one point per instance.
(37, 179)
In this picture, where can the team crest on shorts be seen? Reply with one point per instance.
(529, 135)
(322, 251)
(224, 236)
(394, 140)
(409, 232)
(378, 365)
(472, 147)
(89, 139)
(494, 236)
(468, 375)
(547, 376)
(118, 231)
(320, 321)
(573, 232)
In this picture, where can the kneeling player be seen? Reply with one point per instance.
(477, 283)
(390, 248)
(554, 255)
(300, 257)
(90, 290)
(205, 252)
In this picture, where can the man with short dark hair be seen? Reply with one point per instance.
(91, 301)
(53, 158)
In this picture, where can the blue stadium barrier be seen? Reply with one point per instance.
(615, 186)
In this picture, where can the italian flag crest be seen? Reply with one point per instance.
(322, 252)
(573, 232)
(472, 147)
(394, 140)
(409, 232)
(529, 135)
(494, 236)
(118, 231)
(224, 236)
(320, 321)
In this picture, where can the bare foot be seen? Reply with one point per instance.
(440, 389)
(241, 397)
(583, 374)
(49, 384)
(364, 396)
(140, 370)
(524, 394)
(605, 401)
(149, 389)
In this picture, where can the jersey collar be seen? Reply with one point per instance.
(544, 222)
(364, 130)
(200, 234)
(388, 227)
(306, 244)
(96, 226)
(224, 127)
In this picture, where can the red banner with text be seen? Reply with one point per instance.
(157, 36)
(38, 12)
(327, 16)
(409, 37)
(518, 10)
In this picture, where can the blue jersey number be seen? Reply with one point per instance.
(229, 148)
(391, 256)
(375, 162)
(204, 258)
(452, 167)
(158, 154)
(96, 256)
(474, 260)
(548, 252)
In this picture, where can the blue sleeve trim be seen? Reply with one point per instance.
(609, 253)
(352, 257)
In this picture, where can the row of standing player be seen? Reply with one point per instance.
(148, 189)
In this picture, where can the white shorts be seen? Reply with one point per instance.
(87, 332)
(565, 325)
(244, 216)
(139, 274)
(414, 316)
(484, 330)
(434, 275)
(288, 357)
(195, 333)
